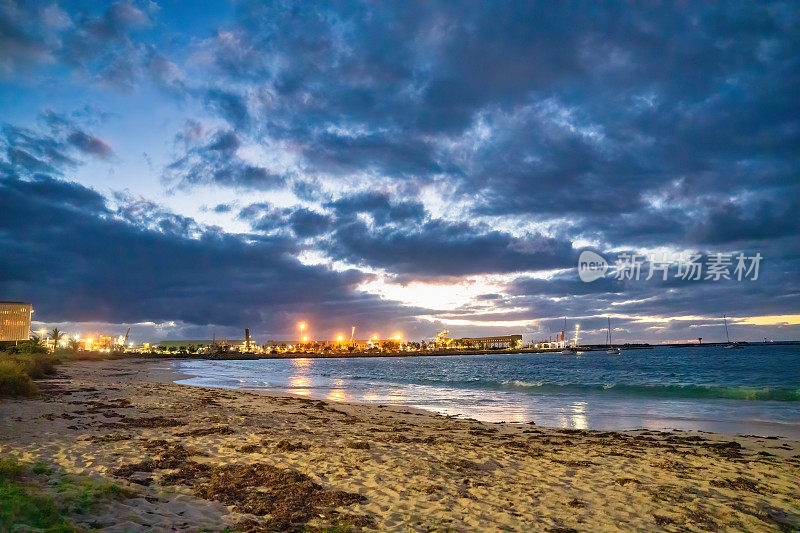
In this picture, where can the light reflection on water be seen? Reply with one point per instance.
(337, 395)
(578, 418)
(591, 391)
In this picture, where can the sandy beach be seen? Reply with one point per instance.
(194, 459)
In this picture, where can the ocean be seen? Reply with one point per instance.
(753, 390)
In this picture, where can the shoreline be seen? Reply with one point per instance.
(249, 356)
(380, 467)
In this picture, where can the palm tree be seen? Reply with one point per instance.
(36, 341)
(74, 344)
(56, 335)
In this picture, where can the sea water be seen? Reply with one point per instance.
(753, 390)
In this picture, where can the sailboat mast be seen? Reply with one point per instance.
(608, 334)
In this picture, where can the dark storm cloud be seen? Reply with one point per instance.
(144, 213)
(217, 162)
(125, 265)
(565, 294)
(383, 209)
(663, 125)
(402, 238)
(441, 248)
(307, 223)
(764, 219)
(30, 151)
(541, 109)
(567, 284)
(64, 195)
(301, 221)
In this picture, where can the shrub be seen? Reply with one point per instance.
(33, 345)
(37, 366)
(10, 468)
(14, 381)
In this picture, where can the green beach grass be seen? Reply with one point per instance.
(34, 496)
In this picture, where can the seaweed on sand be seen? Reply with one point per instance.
(288, 498)
(739, 483)
(203, 432)
(150, 422)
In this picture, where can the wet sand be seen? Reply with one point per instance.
(205, 459)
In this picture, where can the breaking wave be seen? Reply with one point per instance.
(654, 391)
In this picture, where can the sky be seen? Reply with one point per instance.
(189, 169)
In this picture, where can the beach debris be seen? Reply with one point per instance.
(431, 489)
(287, 498)
(573, 463)
(357, 445)
(739, 483)
(286, 446)
(166, 456)
(729, 450)
(675, 466)
(661, 520)
(111, 437)
(204, 432)
(482, 431)
(148, 422)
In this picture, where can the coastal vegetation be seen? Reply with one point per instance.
(19, 369)
(34, 496)
(20, 365)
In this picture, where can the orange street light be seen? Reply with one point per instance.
(340, 338)
(397, 337)
(305, 339)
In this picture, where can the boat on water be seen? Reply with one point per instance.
(569, 350)
(612, 350)
(730, 345)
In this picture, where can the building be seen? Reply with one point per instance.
(233, 344)
(15, 321)
(502, 341)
